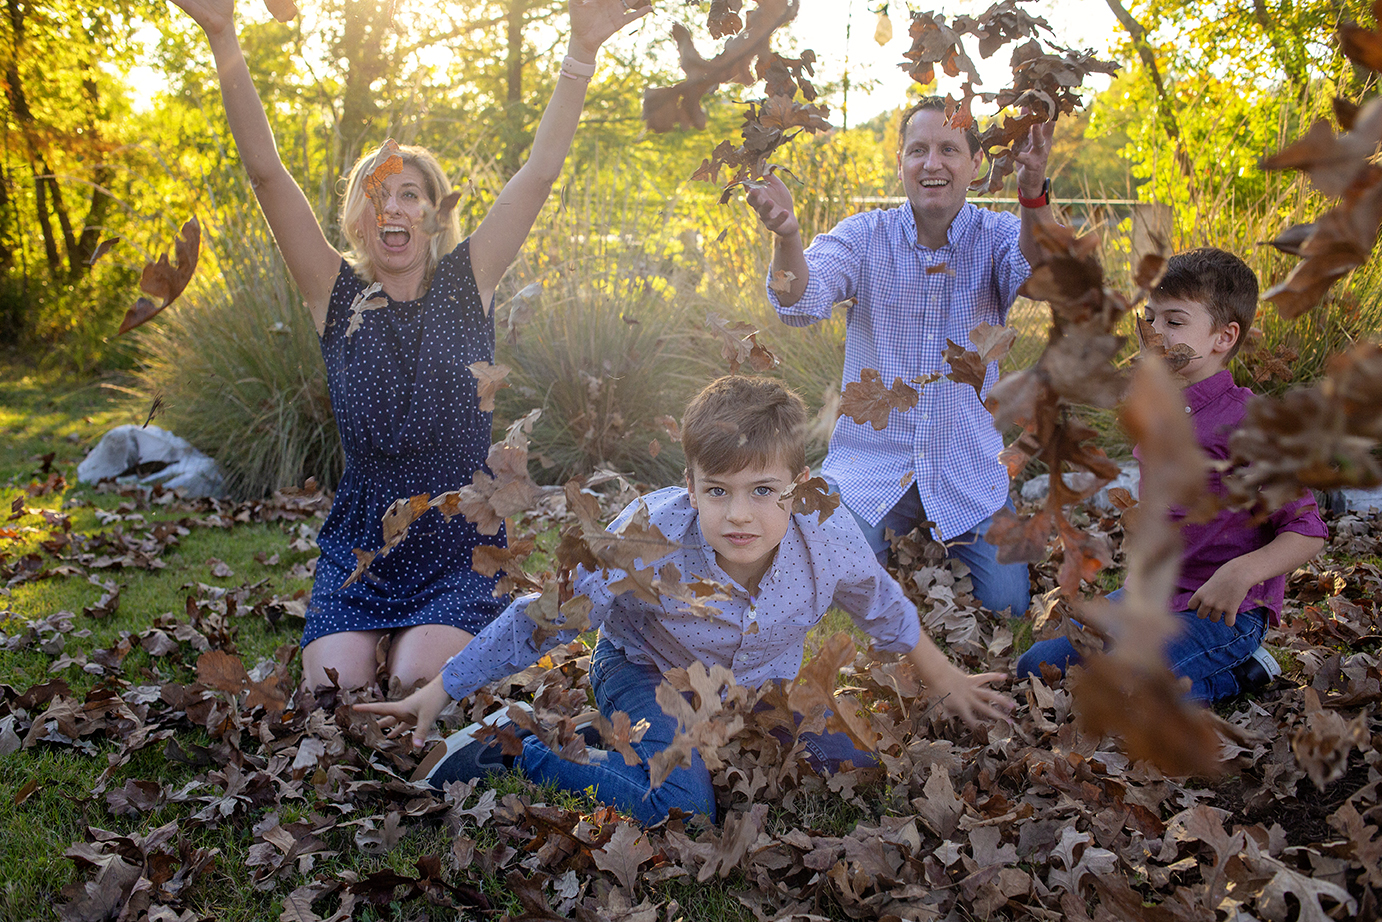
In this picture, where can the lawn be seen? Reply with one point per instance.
(159, 763)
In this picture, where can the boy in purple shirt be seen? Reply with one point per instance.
(1233, 573)
(744, 439)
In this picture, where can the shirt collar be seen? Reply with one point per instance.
(962, 224)
(1202, 393)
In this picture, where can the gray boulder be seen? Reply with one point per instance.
(1036, 489)
(148, 454)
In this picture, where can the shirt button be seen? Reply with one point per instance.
(882, 507)
(753, 614)
(1187, 409)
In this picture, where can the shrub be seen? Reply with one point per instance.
(239, 368)
(609, 350)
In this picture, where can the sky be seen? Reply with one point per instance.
(841, 32)
(823, 26)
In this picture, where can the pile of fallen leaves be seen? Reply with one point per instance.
(1036, 818)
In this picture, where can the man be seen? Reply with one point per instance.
(919, 274)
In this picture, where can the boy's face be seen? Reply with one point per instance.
(1190, 323)
(742, 517)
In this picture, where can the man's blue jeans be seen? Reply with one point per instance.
(1205, 651)
(999, 586)
(632, 688)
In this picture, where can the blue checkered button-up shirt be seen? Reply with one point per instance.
(899, 325)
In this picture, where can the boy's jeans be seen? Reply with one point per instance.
(998, 586)
(629, 687)
(1205, 651)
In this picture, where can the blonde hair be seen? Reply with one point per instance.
(355, 206)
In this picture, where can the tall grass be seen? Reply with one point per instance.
(615, 340)
(239, 369)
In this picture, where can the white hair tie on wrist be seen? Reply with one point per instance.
(576, 70)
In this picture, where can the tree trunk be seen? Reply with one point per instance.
(516, 138)
(366, 22)
(1165, 105)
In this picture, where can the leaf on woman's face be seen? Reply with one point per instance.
(164, 280)
(387, 162)
(437, 219)
(282, 10)
(491, 380)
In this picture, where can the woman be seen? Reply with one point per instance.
(405, 402)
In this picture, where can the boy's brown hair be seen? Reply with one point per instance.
(743, 421)
(1217, 279)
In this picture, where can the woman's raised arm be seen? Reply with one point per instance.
(499, 237)
(312, 260)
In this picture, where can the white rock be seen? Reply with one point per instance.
(1364, 501)
(124, 449)
(1035, 490)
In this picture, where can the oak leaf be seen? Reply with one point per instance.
(387, 162)
(623, 853)
(812, 496)
(490, 380)
(868, 401)
(163, 280)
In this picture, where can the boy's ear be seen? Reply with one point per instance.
(690, 488)
(804, 476)
(1227, 336)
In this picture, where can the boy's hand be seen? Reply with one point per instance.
(969, 698)
(773, 202)
(1221, 595)
(419, 711)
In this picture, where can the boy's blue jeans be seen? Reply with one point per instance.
(1205, 651)
(999, 586)
(629, 687)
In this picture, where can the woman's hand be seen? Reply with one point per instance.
(419, 711)
(593, 21)
(214, 16)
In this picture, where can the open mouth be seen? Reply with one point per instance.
(934, 183)
(394, 236)
(741, 540)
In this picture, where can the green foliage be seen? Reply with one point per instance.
(239, 368)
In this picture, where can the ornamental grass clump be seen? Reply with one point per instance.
(239, 370)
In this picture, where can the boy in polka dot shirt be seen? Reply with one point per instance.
(744, 439)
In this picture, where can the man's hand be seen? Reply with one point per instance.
(419, 711)
(1222, 594)
(773, 202)
(1032, 157)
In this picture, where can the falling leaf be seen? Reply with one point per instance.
(163, 280)
(436, 220)
(812, 496)
(102, 248)
(781, 281)
(883, 29)
(370, 299)
(490, 380)
(387, 162)
(868, 401)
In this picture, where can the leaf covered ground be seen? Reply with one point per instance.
(159, 762)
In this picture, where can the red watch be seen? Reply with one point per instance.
(1041, 201)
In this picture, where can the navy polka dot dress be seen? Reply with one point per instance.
(410, 421)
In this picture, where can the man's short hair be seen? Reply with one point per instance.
(934, 103)
(1220, 281)
(744, 421)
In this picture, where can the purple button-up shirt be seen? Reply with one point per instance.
(910, 300)
(818, 564)
(1217, 407)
